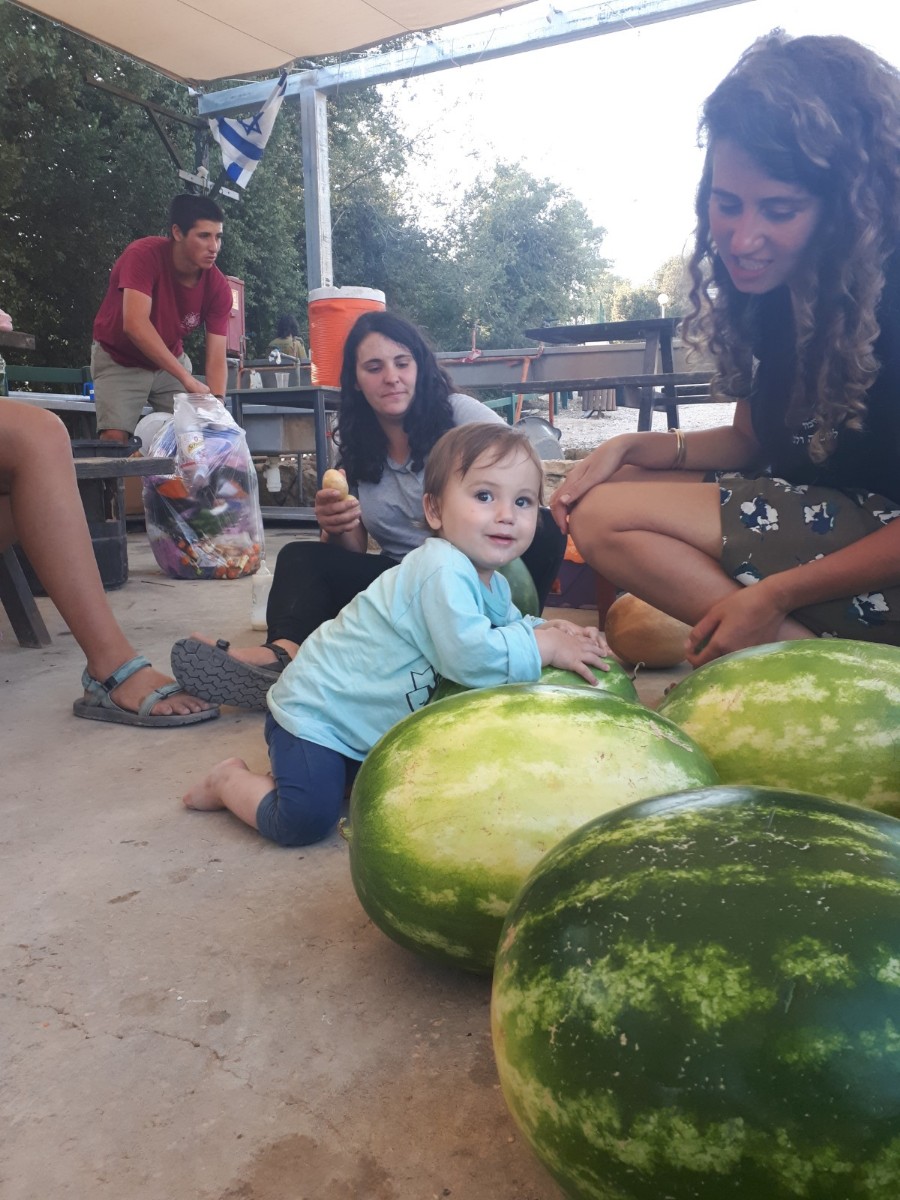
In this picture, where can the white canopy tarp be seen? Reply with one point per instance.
(198, 41)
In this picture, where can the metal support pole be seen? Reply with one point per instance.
(316, 188)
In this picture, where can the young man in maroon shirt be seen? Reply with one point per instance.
(160, 290)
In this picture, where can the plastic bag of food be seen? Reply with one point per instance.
(204, 522)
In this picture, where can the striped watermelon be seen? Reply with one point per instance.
(697, 997)
(820, 715)
(454, 805)
(615, 680)
(521, 586)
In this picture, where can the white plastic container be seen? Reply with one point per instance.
(259, 596)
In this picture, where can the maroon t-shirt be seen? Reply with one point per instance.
(176, 311)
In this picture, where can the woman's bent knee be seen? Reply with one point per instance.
(28, 435)
(591, 523)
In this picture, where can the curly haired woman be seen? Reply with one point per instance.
(796, 297)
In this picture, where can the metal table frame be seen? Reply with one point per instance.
(308, 398)
(657, 334)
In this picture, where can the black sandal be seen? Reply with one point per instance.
(211, 673)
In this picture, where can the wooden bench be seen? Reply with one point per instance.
(15, 591)
(511, 406)
(71, 379)
(506, 405)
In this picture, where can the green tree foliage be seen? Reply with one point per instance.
(377, 240)
(630, 303)
(83, 174)
(673, 280)
(617, 299)
(527, 254)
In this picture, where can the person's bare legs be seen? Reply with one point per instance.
(41, 508)
(232, 785)
(119, 436)
(659, 534)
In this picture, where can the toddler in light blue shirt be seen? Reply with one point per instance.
(445, 610)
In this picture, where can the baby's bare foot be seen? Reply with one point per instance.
(206, 795)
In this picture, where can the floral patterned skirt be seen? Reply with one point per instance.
(770, 525)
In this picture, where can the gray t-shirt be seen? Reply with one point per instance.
(392, 507)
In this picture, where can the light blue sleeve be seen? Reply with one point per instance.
(459, 639)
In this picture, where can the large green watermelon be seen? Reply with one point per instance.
(615, 680)
(453, 807)
(521, 586)
(821, 715)
(697, 997)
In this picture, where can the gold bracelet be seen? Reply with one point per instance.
(680, 449)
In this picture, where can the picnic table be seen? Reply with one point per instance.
(15, 339)
(658, 367)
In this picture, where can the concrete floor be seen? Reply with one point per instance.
(191, 1013)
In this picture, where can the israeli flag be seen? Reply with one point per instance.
(243, 142)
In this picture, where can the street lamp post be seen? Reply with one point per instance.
(662, 300)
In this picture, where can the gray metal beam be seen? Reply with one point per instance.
(455, 47)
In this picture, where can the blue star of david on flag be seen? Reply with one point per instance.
(252, 126)
(243, 141)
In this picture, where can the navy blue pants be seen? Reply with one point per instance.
(310, 784)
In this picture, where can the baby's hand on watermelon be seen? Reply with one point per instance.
(590, 633)
(558, 648)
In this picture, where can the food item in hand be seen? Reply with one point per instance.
(639, 633)
(336, 481)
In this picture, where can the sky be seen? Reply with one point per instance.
(612, 119)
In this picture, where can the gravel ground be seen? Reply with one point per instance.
(584, 433)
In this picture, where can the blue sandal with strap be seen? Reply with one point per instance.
(97, 703)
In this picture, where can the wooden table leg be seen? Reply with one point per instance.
(650, 367)
(15, 595)
(667, 361)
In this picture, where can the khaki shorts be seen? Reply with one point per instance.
(770, 525)
(121, 392)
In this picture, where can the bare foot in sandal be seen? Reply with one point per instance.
(132, 693)
(135, 693)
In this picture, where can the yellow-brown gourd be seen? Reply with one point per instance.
(336, 481)
(639, 633)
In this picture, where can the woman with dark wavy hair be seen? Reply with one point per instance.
(396, 402)
(796, 297)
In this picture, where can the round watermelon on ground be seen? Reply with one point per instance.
(454, 806)
(821, 715)
(615, 680)
(698, 997)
